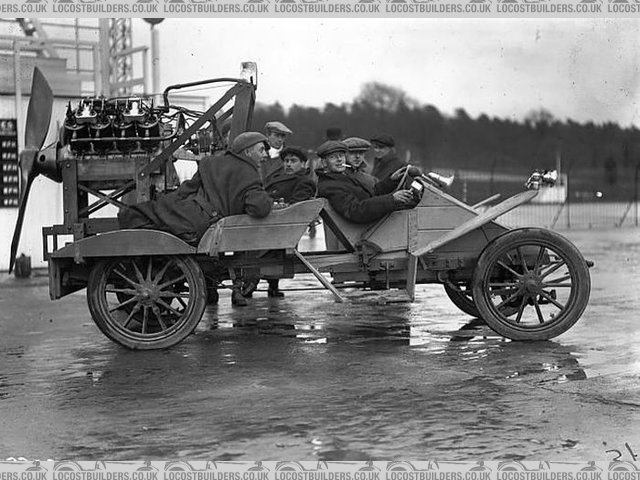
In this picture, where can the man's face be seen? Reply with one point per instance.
(380, 151)
(335, 162)
(292, 164)
(356, 158)
(258, 153)
(276, 139)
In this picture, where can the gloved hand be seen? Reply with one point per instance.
(410, 169)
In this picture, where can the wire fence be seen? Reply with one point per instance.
(579, 201)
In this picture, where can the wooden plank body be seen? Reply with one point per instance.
(122, 243)
(281, 229)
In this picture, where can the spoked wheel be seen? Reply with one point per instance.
(149, 302)
(531, 284)
(460, 294)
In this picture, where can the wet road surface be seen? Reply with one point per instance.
(305, 378)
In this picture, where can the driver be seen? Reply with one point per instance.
(352, 198)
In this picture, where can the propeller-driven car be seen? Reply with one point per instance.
(148, 289)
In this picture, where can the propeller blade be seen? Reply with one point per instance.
(38, 112)
(24, 196)
(37, 127)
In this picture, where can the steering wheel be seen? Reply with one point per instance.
(403, 180)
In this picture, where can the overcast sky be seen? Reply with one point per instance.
(586, 70)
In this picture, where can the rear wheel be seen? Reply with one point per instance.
(147, 303)
(462, 297)
(531, 284)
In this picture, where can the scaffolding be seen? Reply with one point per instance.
(97, 52)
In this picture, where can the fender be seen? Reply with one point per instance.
(123, 243)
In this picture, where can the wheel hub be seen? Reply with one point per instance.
(147, 294)
(531, 284)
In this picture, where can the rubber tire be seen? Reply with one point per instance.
(462, 301)
(573, 259)
(99, 310)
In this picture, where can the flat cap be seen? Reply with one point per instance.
(356, 144)
(383, 139)
(277, 127)
(246, 140)
(331, 146)
(294, 150)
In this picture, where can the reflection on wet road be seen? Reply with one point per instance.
(306, 378)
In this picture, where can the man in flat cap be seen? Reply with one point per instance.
(352, 198)
(224, 185)
(386, 160)
(277, 133)
(293, 185)
(355, 159)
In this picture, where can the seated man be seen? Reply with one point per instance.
(355, 159)
(224, 185)
(294, 184)
(386, 159)
(352, 198)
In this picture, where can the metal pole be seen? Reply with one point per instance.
(98, 87)
(105, 70)
(155, 60)
(17, 79)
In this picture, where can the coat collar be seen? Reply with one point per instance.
(244, 159)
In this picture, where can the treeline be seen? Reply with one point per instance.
(601, 157)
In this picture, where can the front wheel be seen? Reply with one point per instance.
(531, 284)
(147, 303)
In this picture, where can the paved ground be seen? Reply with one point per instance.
(305, 378)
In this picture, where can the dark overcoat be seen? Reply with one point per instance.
(292, 188)
(224, 185)
(383, 167)
(354, 199)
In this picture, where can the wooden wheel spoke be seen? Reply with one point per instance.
(138, 272)
(149, 268)
(161, 273)
(125, 278)
(168, 307)
(551, 299)
(127, 291)
(174, 294)
(120, 305)
(557, 285)
(507, 300)
(134, 310)
(171, 282)
(523, 262)
(538, 311)
(523, 304)
(145, 319)
(537, 266)
(556, 266)
(509, 269)
(156, 312)
(559, 279)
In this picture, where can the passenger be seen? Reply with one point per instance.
(351, 197)
(294, 185)
(224, 185)
(355, 159)
(276, 133)
(386, 160)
